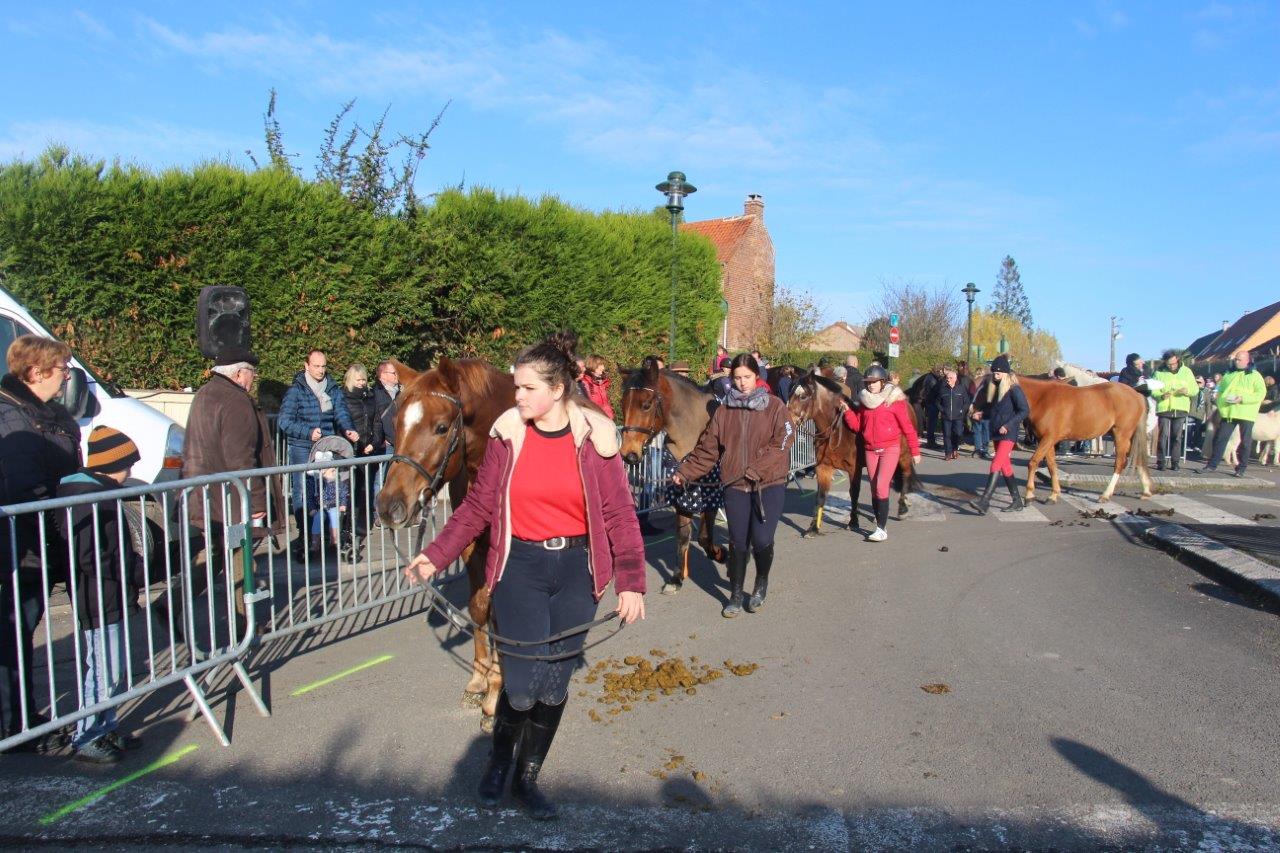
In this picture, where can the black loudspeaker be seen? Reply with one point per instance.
(222, 319)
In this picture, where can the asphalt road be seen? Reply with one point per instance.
(1085, 691)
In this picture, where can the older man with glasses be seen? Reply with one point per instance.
(1240, 395)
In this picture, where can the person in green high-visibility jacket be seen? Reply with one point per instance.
(1240, 395)
(1173, 403)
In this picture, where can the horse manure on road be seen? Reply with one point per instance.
(935, 689)
(637, 678)
(1150, 513)
(1264, 516)
(1099, 513)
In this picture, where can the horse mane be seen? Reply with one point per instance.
(478, 377)
(830, 384)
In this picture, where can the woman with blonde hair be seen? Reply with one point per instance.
(1004, 407)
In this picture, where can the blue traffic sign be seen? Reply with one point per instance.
(893, 319)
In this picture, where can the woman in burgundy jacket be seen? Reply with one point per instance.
(880, 414)
(552, 492)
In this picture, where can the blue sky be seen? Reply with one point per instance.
(1126, 154)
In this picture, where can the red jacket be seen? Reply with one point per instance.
(615, 549)
(884, 425)
(598, 393)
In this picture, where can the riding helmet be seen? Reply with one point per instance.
(875, 372)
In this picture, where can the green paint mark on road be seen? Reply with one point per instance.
(660, 541)
(307, 688)
(164, 761)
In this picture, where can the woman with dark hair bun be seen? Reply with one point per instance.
(553, 493)
(750, 436)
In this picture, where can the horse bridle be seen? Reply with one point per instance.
(833, 428)
(457, 435)
(647, 431)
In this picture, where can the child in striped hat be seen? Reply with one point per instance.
(101, 601)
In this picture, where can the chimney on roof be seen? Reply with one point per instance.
(754, 205)
(1225, 325)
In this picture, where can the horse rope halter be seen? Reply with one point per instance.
(821, 434)
(648, 431)
(456, 436)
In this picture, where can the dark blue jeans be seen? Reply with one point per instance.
(541, 593)
(952, 434)
(745, 524)
(1225, 429)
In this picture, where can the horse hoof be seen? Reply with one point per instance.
(671, 588)
(486, 724)
(472, 700)
(811, 533)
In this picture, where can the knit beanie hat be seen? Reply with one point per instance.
(111, 451)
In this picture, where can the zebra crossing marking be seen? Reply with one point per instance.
(1253, 499)
(925, 507)
(1202, 512)
(1089, 504)
(1027, 513)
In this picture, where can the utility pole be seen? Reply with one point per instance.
(1115, 336)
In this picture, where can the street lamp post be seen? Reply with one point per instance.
(969, 292)
(675, 188)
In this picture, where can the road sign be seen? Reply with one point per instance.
(893, 320)
(893, 350)
(893, 334)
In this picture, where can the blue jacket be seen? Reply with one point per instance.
(1008, 411)
(300, 412)
(952, 403)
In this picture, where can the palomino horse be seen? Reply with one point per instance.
(838, 448)
(1060, 412)
(442, 426)
(655, 401)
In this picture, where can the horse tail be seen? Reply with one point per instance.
(1139, 449)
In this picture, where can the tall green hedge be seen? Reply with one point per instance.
(113, 259)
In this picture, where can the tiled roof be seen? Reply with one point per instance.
(1202, 342)
(724, 234)
(1241, 333)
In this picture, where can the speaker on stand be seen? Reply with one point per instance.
(222, 319)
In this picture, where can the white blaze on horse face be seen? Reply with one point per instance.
(412, 416)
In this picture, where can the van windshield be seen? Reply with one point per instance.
(11, 330)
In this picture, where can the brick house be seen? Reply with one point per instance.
(745, 252)
(839, 336)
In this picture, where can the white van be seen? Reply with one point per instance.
(95, 401)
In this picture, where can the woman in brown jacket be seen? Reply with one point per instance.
(750, 436)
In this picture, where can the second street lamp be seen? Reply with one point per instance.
(969, 292)
(675, 188)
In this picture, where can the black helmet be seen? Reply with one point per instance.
(875, 372)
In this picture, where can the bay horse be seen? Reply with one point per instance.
(442, 423)
(1061, 412)
(655, 401)
(838, 448)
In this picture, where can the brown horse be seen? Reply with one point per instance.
(838, 448)
(443, 419)
(1061, 412)
(655, 401)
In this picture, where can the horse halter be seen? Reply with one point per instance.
(456, 436)
(649, 431)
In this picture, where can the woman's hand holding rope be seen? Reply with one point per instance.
(630, 607)
(419, 569)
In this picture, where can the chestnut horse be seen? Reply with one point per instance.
(838, 448)
(1061, 412)
(655, 401)
(443, 419)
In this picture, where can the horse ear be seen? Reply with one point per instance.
(448, 373)
(404, 372)
(650, 368)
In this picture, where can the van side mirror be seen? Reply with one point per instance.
(75, 395)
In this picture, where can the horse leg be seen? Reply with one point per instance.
(488, 664)
(1051, 459)
(1032, 466)
(1123, 444)
(684, 534)
(707, 539)
(855, 490)
(824, 476)
(902, 480)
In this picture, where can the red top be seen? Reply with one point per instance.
(547, 499)
(883, 426)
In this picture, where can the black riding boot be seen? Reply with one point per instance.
(983, 503)
(539, 731)
(764, 561)
(882, 513)
(1015, 493)
(507, 724)
(737, 577)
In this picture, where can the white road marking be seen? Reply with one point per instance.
(1252, 499)
(1090, 504)
(925, 507)
(1202, 512)
(1027, 513)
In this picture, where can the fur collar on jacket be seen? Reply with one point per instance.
(583, 422)
(889, 394)
(996, 392)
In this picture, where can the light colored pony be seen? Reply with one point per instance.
(1266, 431)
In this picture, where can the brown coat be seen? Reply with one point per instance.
(226, 431)
(752, 447)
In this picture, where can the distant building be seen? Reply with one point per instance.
(745, 252)
(839, 336)
(1255, 332)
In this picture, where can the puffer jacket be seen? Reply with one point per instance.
(300, 411)
(883, 419)
(597, 391)
(1009, 409)
(752, 447)
(615, 548)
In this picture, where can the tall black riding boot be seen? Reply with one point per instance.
(737, 577)
(983, 503)
(764, 562)
(1015, 493)
(507, 724)
(539, 731)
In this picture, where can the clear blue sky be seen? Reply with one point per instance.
(1126, 154)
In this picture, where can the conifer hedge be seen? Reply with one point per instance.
(112, 258)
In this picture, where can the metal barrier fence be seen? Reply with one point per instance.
(117, 627)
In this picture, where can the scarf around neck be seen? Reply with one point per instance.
(756, 401)
(320, 389)
(874, 401)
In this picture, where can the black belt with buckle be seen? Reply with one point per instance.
(556, 543)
